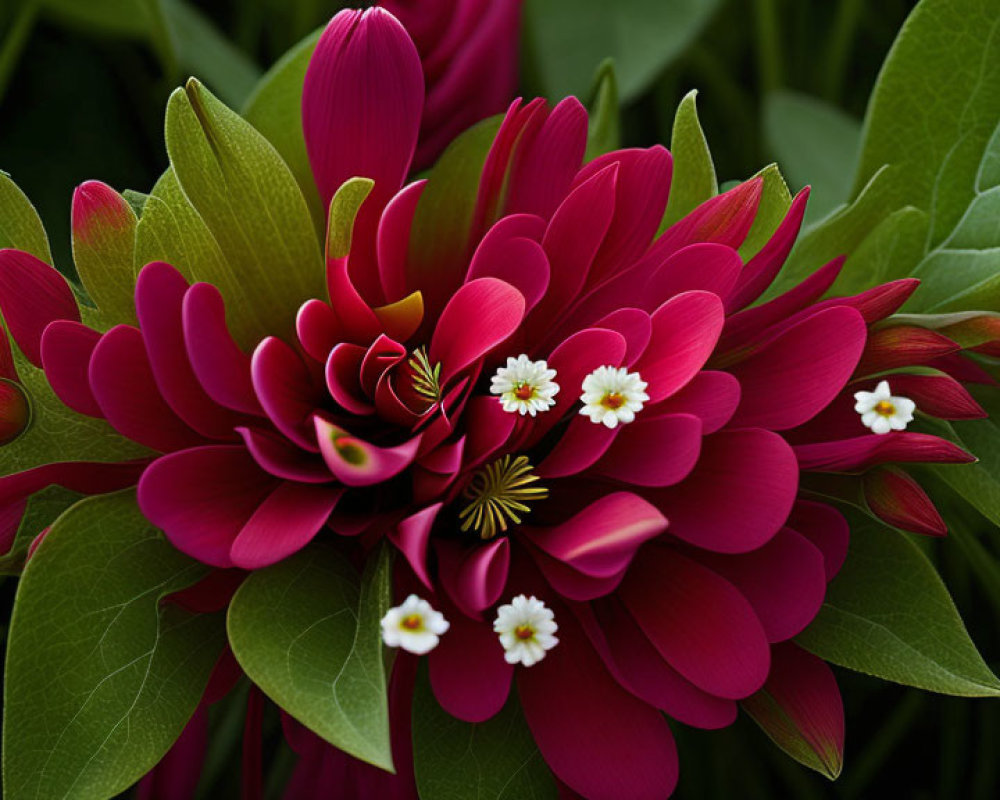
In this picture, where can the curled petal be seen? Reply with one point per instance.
(356, 462)
(412, 535)
(286, 391)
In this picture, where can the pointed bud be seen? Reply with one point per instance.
(898, 500)
(902, 346)
(15, 412)
(940, 396)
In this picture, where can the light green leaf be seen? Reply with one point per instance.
(492, 760)
(253, 207)
(889, 615)
(20, 226)
(275, 109)
(816, 144)
(307, 632)
(775, 200)
(567, 39)
(693, 180)
(605, 117)
(344, 207)
(101, 678)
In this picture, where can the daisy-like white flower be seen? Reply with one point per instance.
(526, 627)
(882, 412)
(415, 626)
(525, 386)
(613, 395)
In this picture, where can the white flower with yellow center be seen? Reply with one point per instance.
(613, 395)
(882, 412)
(525, 386)
(415, 626)
(525, 626)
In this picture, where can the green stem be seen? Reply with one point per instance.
(769, 67)
(15, 41)
(839, 47)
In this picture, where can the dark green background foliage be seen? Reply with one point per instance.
(83, 88)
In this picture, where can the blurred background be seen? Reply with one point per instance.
(83, 86)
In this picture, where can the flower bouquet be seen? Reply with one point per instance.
(488, 481)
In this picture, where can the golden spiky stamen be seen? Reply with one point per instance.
(426, 379)
(499, 494)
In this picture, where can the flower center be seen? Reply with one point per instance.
(524, 391)
(412, 622)
(499, 494)
(612, 400)
(885, 408)
(524, 632)
(426, 378)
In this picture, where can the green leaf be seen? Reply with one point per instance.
(344, 207)
(116, 17)
(307, 632)
(275, 109)
(104, 252)
(101, 678)
(816, 144)
(43, 507)
(492, 760)
(889, 615)
(567, 39)
(693, 180)
(20, 226)
(604, 131)
(775, 201)
(253, 207)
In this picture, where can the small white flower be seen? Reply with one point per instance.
(613, 395)
(525, 386)
(525, 627)
(882, 412)
(415, 626)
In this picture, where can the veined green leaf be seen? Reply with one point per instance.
(888, 614)
(775, 200)
(101, 678)
(605, 117)
(275, 109)
(493, 760)
(43, 507)
(307, 631)
(253, 207)
(693, 180)
(20, 226)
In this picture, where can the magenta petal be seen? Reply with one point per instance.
(704, 266)
(357, 462)
(569, 583)
(281, 458)
(826, 528)
(855, 455)
(518, 261)
(361, 102)
(489, 428)
(286, 391)
(794, 376)
(601, 539)
(699, 623)
(755, 470)
(800, 707)
(343, 379)
(412, 535)
(32, 294)
(479, 316)
(641, 196)
(634, 325)
(201, 498)
(393, 240)
(159, 298)
(176, 775)
(66, 349)
(123, 385)
(785, 581)
(655, 452)
(710, 396)
(938, 395)
(222, 368)
(580, 447)
(639, 667)
(763, 268)
(283, 524)
(382, 356)
(685, 330)
(572, 704)
(469, 676)
(318, 329)
(474, 578)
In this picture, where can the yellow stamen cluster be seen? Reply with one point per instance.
(499, 494)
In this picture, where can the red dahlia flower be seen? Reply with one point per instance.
(542, 397)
